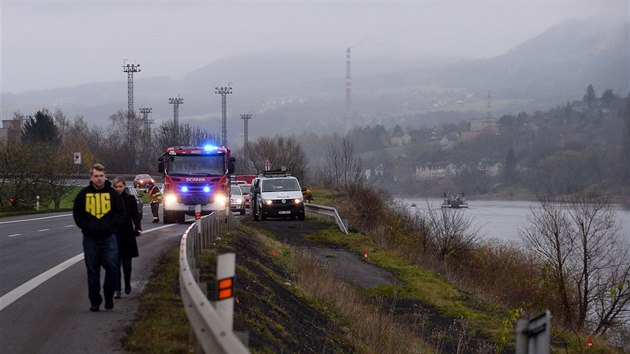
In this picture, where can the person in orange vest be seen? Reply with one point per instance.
(155, 198)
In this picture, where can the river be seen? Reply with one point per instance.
(503, 220)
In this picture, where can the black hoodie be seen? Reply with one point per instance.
(98, 212)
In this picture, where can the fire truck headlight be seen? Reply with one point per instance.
(206, 189)
(220, 198)
(183, 189)
(170, 199)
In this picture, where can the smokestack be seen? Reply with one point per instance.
(348, 93)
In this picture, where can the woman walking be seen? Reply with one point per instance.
(126, 234)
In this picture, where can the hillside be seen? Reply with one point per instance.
(290, 94)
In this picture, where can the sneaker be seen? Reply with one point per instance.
(94, 308)
(117, 294)
(109, 304)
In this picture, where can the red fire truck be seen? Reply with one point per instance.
(194, 175)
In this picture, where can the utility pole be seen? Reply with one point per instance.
(224, 91)
(245, 117)
(146, 136)
(130, 69)
(176, 102)
(145, 111)
(348, 94)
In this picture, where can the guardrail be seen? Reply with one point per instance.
(328, 211)
(211, 329)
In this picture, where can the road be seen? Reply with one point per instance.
(43, 285)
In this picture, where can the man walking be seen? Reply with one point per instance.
(155, 198)
(98, 210)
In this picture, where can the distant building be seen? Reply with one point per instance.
(435, 171)
(449, 141)
(484, 124)
(10, 133)
(468, 135)
(400, 140)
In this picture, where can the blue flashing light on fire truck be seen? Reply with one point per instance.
(194, 175)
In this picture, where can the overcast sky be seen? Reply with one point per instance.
(49, 44)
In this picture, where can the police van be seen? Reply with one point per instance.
(276, 193)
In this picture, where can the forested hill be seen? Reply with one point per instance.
(579, 145)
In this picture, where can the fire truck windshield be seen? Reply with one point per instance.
(196, 165)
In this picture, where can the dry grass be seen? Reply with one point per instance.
(374, 331)
(161, 325)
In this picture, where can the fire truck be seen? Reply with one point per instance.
(195, 175)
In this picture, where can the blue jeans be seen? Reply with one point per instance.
(101, 252)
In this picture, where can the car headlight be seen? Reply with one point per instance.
(268, 201)
(220, 198)
(239, 200)
(297, 200)
(170, 199)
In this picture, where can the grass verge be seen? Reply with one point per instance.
(161, 325)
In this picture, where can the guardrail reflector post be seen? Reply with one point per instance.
(226, 263)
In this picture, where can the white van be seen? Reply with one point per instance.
(276, 194)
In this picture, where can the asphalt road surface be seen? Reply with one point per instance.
(44, 307)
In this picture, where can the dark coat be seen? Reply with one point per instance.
(128, 229)
(98, 212)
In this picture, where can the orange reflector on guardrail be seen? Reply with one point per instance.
(226, 288)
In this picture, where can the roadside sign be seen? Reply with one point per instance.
(267, 165)
(77, 158)
(137, 162)
(534, 335)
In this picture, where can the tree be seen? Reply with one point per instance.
(625, 144)
(589, 266)
(342, 168)
(41, 130)
(451, 231)
(590, 96)
(281, 152)
(608, 97)
(509, 168)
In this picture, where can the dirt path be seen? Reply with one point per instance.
(446, 334)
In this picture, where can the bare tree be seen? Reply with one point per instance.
(590, 267)
(451, 231)
(281, 152)
(342, 168)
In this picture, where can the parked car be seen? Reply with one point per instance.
(141, 181)
(138, 195)
(275, 193)
(247, 189)
(237, 201)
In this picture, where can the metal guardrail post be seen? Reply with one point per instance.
(210, 331)
(328, 211)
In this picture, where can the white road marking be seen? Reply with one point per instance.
(14, 235)
(43, 230)
(25, 288)
(69, 226)
(42, 218)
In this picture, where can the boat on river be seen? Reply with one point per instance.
(454, 200)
